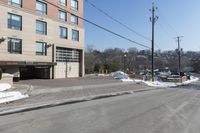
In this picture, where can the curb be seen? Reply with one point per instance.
(68, 101)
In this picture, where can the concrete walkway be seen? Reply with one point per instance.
(44, 96)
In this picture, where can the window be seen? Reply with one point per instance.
(63, 2)
(74, 4)
(63, 15)
(74, 19)
(14, 21)
(41, 48)
(41, 27)
(16, 3)
(75, 35)
(41, 7)
(14, 45)
(63, 32)
(67, 55)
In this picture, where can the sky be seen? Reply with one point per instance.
(176, 18)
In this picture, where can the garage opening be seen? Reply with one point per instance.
(68, 63)
(35, 72)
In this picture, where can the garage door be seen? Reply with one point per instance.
(72, 69)
(67, 70)
(60, 70)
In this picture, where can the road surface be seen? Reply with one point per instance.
(173, 110)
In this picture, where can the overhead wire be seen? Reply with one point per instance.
(114, 19)
(101, 27)
(167, 23)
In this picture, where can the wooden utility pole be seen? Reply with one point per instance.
(153, 19)
(179, 53)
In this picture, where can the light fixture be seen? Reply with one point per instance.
(2, 39)
(49, 45)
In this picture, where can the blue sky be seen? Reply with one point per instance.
(176, 17)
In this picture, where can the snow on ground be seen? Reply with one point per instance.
(166, 84)
(9, 96)
(121, 76)
(127, 80)
(4, 86)
(192, 79)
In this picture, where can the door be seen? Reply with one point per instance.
(73, 69)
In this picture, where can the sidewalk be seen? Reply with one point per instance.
(47, 97)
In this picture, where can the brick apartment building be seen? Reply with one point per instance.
(44, 38)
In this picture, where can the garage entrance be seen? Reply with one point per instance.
(34, 72)
(67, 70)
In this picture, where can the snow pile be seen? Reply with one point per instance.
(192, 79)
(9, 96)
(127, 80)
(121, 76)
(167, 84)
(160, 84)
(4, 87)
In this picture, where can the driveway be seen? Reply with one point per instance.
(56, 83)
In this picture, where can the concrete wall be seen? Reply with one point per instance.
(29, 36)
(7, 78)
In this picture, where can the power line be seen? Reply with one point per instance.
(114, 19)
(101, 27)
(167, 23)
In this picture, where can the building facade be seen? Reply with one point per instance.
(44, 38)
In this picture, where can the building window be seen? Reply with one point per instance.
(41, 27)
(14, 21)
(16, 3)
(67, 55)
(63, 2)
(63, 15)
(74, 4)
(41, 48)
(41, 7)
(63, 32)
(74, 19)
(14, 45)
(75, 35)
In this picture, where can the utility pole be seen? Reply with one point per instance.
(153, 19)
(125, 63)
(179, 53)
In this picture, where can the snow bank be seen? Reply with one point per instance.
(167, 84)
(192, 79)
(160, 84)
(4, 86)
(11, 96)
(127, 80)
(121, 76)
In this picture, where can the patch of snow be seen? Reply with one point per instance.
(11, 96)
(138, 80)
(166, 84)
(160, 84)
(127, 80)
(121, 76)
(192, 79)
(4, 86)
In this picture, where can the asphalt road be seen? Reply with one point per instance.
(174, 110)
